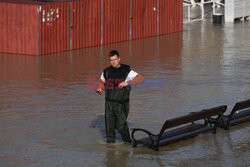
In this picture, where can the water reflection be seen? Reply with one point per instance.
(75, 65)
(18, 67)
(116, 158)
(236, 59)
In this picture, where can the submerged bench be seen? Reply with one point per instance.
(240, 113)
(188, 129)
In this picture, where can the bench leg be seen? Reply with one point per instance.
(134, 143)
(226, 127)
(214, 130)
(156, 145)
(156, 148)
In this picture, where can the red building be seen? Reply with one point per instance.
(39, 27)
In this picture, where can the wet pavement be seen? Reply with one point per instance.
(50, 117)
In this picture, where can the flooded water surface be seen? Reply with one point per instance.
(50, 116)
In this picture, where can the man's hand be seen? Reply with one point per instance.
(99, 91)
(122, 84)
(101, 87)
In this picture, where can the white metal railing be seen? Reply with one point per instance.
(191, 3)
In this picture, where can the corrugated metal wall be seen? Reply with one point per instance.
(54, 28)
(86, 30)
(116, 26)
(18, 28)
(170, 16)
(144, 18)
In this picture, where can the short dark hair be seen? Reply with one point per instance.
(113, 52)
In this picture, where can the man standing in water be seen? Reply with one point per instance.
(116, 80)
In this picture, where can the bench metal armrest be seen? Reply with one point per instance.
(220, 121)
(145, 131)
(217, 120)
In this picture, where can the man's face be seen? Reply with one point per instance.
(114, 61)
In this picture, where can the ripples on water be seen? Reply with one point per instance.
(48, 117)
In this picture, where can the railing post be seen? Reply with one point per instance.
(189, 17)
(202, 11)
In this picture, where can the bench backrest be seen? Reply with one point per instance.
(240, 106)
(194, 116)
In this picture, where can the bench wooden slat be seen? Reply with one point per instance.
(240, 113)
(240, 120)
(244, 113)
(180, 137)
(181, 130)
(173, 132)
(194, 116)
(242, 105)
(240, 117)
